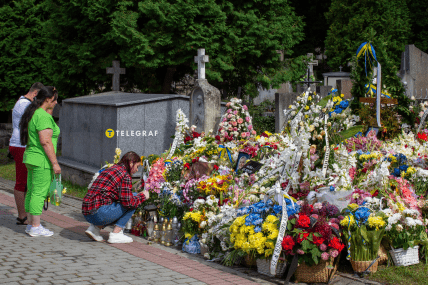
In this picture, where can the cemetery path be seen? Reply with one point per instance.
(69, 256)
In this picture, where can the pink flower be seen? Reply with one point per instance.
(314, 216)
(334, 253)
(318, 206)
(224, 119)
(235, 112)
(235, 129)
(323, 247)
(245, 107)
(248, 119)
(301, 252)
(325, 256)
(243, 135)
(248, 134)
(228, 104)
(240, 121)
(250, 127)
(230, 129)
(229, 116)
(253, 132)
(234, 123)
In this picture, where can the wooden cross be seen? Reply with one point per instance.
(116, 71)
(201, 59)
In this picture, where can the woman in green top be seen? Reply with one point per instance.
(40, 133)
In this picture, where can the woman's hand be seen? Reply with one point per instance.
(56, 168)
(146, 194)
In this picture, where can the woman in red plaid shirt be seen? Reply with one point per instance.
(110, 199)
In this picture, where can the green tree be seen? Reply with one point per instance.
(241, 38)
(22, 61)
(419, 23)
(383, 23)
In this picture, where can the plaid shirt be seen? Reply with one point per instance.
(112, 185)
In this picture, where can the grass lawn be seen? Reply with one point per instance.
(7, 171)
(409, 275)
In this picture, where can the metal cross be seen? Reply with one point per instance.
(116, 71)
(201, 59)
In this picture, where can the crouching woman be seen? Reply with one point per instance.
(110, 200)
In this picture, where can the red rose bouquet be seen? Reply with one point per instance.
(314, 234)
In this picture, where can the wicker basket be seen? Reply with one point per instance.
(361, 266)
(406, 257)
(250, 261)
(383, 255)
(263, 267)
(320, 273)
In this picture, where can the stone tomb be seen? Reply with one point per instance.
(143, 123)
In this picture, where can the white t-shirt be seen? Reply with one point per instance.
(17, 113)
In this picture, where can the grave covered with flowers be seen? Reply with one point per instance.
(323, 189)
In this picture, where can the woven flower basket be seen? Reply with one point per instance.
(263, 267)
(250, 261)
(383, 255)
(320, 273)
(361, 266)
(406, 257)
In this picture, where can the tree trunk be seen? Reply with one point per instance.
(166, 87)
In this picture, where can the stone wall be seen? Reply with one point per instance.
(5, 134)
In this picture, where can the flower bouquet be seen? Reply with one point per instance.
(363, 230)
(314, 237)
(403, 234)
(191, 227)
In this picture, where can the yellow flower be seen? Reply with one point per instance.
(271, 219)
(342, 95)
(306, 116)
(353, 206)
(350, 219)
(118, 151)
(64, 190)
(376, 222)
(307, 108)
(309, 98)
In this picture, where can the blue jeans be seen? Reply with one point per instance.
(110, 214)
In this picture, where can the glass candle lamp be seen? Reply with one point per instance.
(150, 228)
(163, 232)
(156, 233)
(168, 235)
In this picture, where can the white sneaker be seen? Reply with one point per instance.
(40, 231)
(119, 238)
(28, 228)
(94, 233)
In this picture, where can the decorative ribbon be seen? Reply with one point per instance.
(367, 50)
(424, 116)
(222, 147)
(282, 195)
(327, 149)
(372, 90)
(177, 139)
(348, 256)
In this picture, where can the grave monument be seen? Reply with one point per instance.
(205, 99)
(93, 126)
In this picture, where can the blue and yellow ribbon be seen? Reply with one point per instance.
(372, 91)
(367, 50)
(221, 152)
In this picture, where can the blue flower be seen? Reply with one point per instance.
(362, 214)
(396, 172)
(403, 168)
(277, 209)
(338, 110)
(344, 104)
(358, 134)
(257, 229)
(331, 188)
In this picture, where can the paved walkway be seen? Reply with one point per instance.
(70, 257)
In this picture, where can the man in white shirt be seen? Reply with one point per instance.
(17, 150)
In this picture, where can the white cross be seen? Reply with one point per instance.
(116, 71)
(311, 63)
(200, 59)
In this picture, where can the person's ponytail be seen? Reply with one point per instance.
(43, 94)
